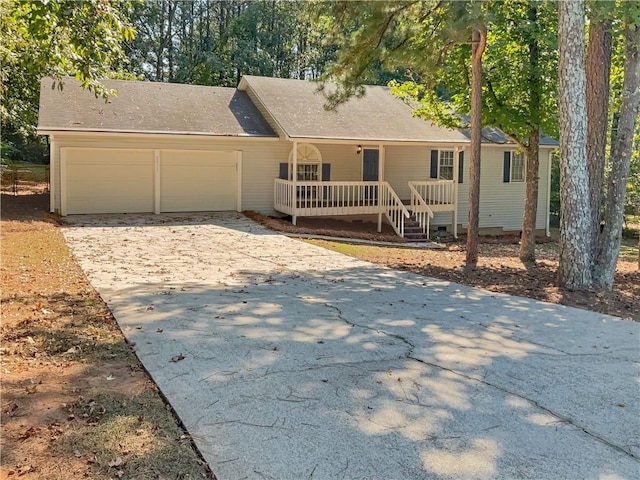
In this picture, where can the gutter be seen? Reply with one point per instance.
(87, 131)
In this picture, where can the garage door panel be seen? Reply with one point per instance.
(109, 180)
(117, 180)
(198, 181)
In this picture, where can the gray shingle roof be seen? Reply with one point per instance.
(378, 116)
(495, 135)
(145, 107)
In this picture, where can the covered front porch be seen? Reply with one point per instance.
(380, 190)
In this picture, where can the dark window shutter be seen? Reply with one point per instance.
(284, 171)
(326, 172)
(434, 164)
(506, 170)
(460, 167)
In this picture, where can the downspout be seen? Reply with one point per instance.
(294, 178)
(52, 174)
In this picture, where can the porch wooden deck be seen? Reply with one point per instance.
(308, 199)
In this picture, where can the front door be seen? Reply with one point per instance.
(370, 167)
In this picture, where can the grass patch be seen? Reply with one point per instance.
(128, 437)
(24, 172)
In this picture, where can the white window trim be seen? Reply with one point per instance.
(300, 162)
(512, 169)
(318, 172)
(452, 163)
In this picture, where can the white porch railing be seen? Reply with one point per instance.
(308, 199)
(438, 195)
(394, 209)
(420, 209)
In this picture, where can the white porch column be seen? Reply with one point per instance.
(456, 173)
(381, 160)
(294, 179)
(156, 181)
(52, 174)
(548, 202)
(63, 181)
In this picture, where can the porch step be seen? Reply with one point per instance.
(413, 231)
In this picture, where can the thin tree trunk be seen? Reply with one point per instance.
(609, 245)
(574, 269)
(479, 38)
(598, 71)
(528, 240)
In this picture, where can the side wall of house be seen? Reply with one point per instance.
(260, 159)
(502, 203)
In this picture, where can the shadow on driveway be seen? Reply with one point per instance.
(303, 363)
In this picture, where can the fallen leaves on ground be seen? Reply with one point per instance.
(76, 402)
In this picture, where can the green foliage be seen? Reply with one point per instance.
(51, 39)
(427, 45)
(55, 38)
(400, 39)
(216, 42)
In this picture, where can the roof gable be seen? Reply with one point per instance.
(298, 108)
(151, 107)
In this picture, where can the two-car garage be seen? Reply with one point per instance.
(119, 180)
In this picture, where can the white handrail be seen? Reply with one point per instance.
(340, 198)
(435, 192)
(420, 209)
(326, 198)
(394, 209)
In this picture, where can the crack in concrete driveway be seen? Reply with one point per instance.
(304, 363)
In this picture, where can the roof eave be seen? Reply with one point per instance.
(57, 130)
(327, 139)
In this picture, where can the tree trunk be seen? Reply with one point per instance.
(574, 270)
(598, 71)
(609, 245)
(528, 240)
(479, 39)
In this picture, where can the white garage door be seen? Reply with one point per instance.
(192, 181)
(107, 180)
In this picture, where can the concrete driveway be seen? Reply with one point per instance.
(301, 363)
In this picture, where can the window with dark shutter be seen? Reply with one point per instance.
(506, 168)
(434, 164)
(326, 172)
(284, 171)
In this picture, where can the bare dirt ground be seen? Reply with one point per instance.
(499, 268)
(76, 402)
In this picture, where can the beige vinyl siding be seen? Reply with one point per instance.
(346, 163)
(260, 159)
(501, 203)
(406, 164)
(260, 167)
